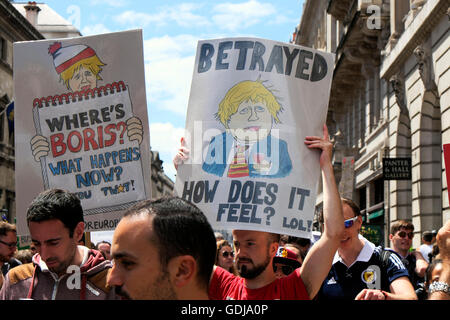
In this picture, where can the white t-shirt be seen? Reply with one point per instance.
(425, 249)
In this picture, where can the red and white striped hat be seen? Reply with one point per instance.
(65, 57)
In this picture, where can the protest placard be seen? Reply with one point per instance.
(81, 123)
(251, 105)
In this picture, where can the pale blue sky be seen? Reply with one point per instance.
(171, 29)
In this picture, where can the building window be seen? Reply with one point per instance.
(362, 199)
(11, 137)
(9, 202)
(379, 190)
(362, 119)
(2, 124)
(4, 101)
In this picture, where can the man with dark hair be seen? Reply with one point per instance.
(61, 269)
(401, 236)
(163, 249)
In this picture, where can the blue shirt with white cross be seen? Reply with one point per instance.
(367, 272)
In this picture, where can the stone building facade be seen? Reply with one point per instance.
(26, 21)
(46, 20)
(390, 98)
(161, 184)
(19, 22)
(13, 27)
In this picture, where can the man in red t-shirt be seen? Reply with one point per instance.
(257, 279)
(255, 250)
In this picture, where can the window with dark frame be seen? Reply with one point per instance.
(379, 191)
(2, 123)
(362, 198)
(2, 49)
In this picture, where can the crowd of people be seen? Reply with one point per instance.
(166, 249)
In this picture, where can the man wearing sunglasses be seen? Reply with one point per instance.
(362, 271)
(8, 246)
(401, 236)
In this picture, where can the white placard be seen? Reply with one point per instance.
(252, 103)
(81, 123)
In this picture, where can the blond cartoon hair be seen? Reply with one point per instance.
(244, 91)
(92, 63)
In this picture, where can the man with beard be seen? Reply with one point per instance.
(255, 250)
(61, 269)
(8, 246)
(162, 250)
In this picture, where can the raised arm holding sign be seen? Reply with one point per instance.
(255, 250)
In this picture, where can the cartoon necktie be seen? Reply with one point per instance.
(239, 167)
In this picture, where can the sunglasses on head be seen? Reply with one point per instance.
(287, 270)
(9, 244)
(403, 234)
(349, 222)
(226, 253)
